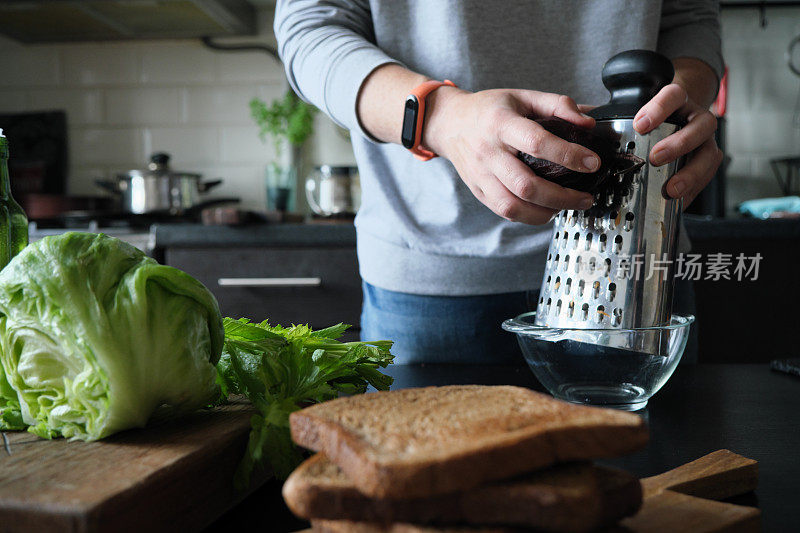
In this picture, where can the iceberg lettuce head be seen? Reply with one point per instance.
(94, 336)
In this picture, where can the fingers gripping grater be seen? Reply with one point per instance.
(612, 266)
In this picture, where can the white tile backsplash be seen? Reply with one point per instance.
(29, 66)
(13, 101)
(257, 67)
(83, 179)
(143, 106)
(239, 181)
(99, 64)
(83, 106)
(241, 144)
(177, 63)
(222, 104)
(187, 146)
(106, 146)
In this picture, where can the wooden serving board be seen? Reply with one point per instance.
(683, 499)
(176, 475)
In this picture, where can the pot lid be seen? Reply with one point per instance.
(159, 166)
(633, 78)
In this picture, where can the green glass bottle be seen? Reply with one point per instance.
(13, 222)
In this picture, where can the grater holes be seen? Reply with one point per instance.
(596, 290)
(566, 262)
(558, 307)
(571, 309)
(618, 243)
(575, 240)
(541, 299)
(617, 316)
(568, 286)
(588, 242)
(612, 291)
(592, 265)
(602, 242)
(549, 257)
(547, 307)
(565, 239)
(547, 283)
(581, 285)
(629, 221)
(630, 147)
(578, 265)
(584, 311)
(558, 283)
(555, 261)
(613, 220)
(601, 313)
(607, 264)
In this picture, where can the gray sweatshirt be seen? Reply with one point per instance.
(419, 228)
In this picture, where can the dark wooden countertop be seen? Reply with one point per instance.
(344, 233)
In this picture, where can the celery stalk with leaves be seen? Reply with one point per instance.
(281, 370)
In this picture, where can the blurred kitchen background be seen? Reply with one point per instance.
(137, 80)
(127, 99)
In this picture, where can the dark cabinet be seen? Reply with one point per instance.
(316, 285)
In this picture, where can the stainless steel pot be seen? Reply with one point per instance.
(330, 190)
(158, 189)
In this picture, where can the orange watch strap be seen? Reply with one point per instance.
(421, 91)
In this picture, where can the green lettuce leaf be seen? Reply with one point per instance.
(282, 369)
(94, 336)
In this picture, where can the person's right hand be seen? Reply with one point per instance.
(480, 133)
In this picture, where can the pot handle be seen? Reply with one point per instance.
(312, 186)
(110, 186)
(205, 186)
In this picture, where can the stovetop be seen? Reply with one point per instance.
(138, 232)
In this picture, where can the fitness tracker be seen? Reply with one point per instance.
(414, 116)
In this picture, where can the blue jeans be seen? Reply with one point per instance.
(464, 329)
(444, 329)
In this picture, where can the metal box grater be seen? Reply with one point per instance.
(614, 268)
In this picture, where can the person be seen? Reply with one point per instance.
(451, 246)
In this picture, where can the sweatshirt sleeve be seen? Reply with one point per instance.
(691, 28)
(327, 48)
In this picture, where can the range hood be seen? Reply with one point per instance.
(47, 21)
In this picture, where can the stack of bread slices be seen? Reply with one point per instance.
(462, 458)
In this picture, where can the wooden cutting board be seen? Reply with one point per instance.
(176, 475)
(683, 499)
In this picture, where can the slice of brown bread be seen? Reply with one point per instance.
(346, 526)
(412, 443)
(567, 497)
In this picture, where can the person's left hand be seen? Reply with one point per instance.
(695, 138)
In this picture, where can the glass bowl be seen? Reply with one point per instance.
(588, 366)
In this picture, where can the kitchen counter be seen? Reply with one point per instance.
(705, 229)
(344, 234)
(277, 234)
(747, 409)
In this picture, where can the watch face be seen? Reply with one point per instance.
(410, 121)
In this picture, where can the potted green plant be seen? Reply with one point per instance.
(288, 122)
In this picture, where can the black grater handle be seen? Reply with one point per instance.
(633, 78)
